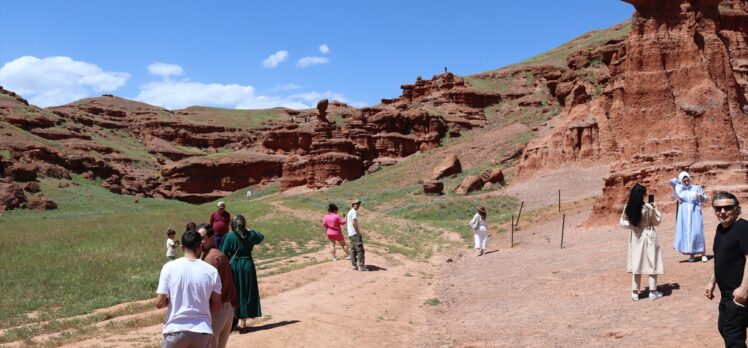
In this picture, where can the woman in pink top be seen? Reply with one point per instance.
(332, 222)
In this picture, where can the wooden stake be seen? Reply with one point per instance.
(516, 224)
(559, 201)
(512, 245)
(563, 224)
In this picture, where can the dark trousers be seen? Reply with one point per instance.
(357, 250)
(732, 323)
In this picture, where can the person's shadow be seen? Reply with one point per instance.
(667, 288)
(491, 252)
(698, 259)
(268, 326)
(373, 268)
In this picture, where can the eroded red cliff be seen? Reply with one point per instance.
(671, 97)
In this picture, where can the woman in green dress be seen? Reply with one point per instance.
(237, 246)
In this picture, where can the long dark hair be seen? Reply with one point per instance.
(633, 209)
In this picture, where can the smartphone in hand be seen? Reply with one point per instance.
(651, 199)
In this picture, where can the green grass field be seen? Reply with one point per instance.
(99, 249)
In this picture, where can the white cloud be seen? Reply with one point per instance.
(286, 87)
(324, 49)
(164, 69)
(182, 94)
(309, 61)
(57, 80)
(313, 97)
(274, 59)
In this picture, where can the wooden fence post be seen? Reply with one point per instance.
(516, 224)
(563, 224)
(512, 240)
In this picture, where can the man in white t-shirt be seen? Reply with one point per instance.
(191, 288)
(354, 236)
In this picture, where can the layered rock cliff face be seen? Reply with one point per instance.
(417, 121)
(201, 154)
(672, 96)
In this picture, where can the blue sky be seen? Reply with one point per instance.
(180, 53)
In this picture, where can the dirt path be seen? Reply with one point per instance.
(538, 295)
(332, 306)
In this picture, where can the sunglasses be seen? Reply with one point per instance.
(727, 208)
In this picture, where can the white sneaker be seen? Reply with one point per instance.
(704, 258)
(348, 257)
(653, 295)
(634, 297)
(691, 259)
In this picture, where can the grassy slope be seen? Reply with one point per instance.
(100, 249)
(235, 118)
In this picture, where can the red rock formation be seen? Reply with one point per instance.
(331, 155)
(22, 172)
(32, 187)
(41, 203)
(201, 179)
(450, 165)
(469, 184)
(492, 175)
(58, 134)
(11, 196)
(288, 138)
(433, 187)
(672, 96)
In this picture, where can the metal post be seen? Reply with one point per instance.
(516, 224)
(512, 245)
(559, 201)
(563, 224)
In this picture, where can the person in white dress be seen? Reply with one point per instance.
(644, 254)
(689, 226)
(480, 228)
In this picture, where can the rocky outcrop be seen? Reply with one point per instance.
(128, 143)
(22, 172)
(469, 184)
(433, 187)
(11, 196)
(495, 175)
(199, 179)
(671, 96)
(288, 138)
(41, 203)
(448, 166)
(331, 155)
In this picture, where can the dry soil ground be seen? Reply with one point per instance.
(534, 294)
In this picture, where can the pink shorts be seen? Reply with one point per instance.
(336, 237)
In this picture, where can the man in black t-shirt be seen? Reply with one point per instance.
(730, 269)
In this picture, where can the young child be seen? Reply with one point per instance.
(171, 245)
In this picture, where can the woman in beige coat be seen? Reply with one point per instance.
(644, 255)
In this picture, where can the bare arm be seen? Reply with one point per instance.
(215, 302)
(709, 291)
(162, 301)
(740, 294)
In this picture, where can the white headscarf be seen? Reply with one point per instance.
(683, 175)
